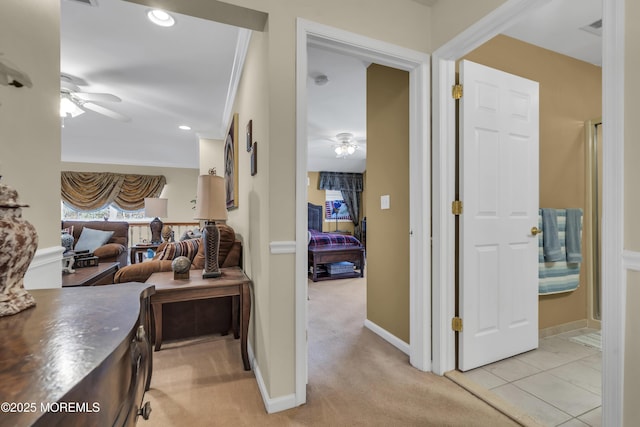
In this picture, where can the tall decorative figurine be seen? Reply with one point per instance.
(18, 243)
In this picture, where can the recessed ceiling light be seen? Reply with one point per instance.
(184, 127)
(160, 17)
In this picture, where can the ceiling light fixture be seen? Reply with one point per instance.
(346, 147)
(184, 127)
(68, 108)
(161, 18)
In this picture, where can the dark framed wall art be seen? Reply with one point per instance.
(249, 134)
(231, 164)
(254, 159)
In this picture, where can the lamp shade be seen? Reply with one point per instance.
(154, 207)
(211, 198)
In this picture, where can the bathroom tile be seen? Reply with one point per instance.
(511, 369)
(594, 361)
(573, 422)
(554, 352)
(531, 405)
(581, 374)
(593, 418)
(484, 378)
(559, 393)
(567, 348)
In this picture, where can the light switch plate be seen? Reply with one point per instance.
(384, 202)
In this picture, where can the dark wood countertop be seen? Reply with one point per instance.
(48, 350)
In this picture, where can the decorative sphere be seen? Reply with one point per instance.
(181, 264)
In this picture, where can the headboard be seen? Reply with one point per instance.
(314, 217)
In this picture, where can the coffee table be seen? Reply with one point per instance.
(233, 282)
(102, 274)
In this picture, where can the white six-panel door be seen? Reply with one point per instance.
(499, 159)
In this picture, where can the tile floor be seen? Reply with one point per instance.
(558, 384)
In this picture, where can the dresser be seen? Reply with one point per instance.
(80, 357)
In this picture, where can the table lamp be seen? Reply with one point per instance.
(211, 206)
(154, 207)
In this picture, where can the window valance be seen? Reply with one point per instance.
(88, 191)
(340, 181)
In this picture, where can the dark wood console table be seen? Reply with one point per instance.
(233, 283)
(80, 357)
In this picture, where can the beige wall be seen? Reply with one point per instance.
(451, 17)
(318, 197)
(570, 94)
(211, 155)
(632, 211)
(388, 174)
(180, 188)
(29, 119)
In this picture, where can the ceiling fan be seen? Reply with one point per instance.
(347, 145)
(73, 101)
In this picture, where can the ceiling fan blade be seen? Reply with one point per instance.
(97, 97)
(106, 112)
(67, 86)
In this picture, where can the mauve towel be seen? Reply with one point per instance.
(573, 235)
(550, 240)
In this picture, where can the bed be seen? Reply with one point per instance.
(328, 253)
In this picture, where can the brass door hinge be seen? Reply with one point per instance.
(456, 91)
(456, 207)
(456, 324)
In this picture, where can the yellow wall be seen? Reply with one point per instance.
(388, 174)
(29, 119)
(180, 188)
(318, 197)
(570, 94)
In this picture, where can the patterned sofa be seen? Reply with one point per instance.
(229, 255)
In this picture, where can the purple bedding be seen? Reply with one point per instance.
(329, 240)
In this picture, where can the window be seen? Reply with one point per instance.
(335, 210)
(111, 213)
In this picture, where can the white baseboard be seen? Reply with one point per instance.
(387, 336)
(271, 405)
(45, 270)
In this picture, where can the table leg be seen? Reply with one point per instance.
(235, 318)
(245, 312)
(157, 318)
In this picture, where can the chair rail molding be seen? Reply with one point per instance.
(283, 247)
(45, 270)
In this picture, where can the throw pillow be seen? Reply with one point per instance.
(91, 239)
(191, 234)
(188, 248)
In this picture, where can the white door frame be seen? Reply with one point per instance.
(417, 64)
(613, 273)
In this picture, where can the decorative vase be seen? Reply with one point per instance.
(18, 243)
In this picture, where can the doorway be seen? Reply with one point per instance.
(416, 64)
(444, 173)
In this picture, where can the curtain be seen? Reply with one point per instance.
(350, 185)
(89, 191)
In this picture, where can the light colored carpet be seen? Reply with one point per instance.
(355, 378)
(592, 339)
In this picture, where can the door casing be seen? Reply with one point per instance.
(613, 271)
(417, 64)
